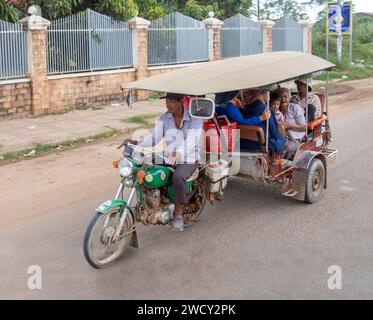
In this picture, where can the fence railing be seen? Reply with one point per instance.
(13, 51)
(240, 36)
(177, 39)
(287, 36)
(88, 41)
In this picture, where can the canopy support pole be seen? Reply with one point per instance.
(267, 124)
(307, 115)
(327, 125)
(327, 93)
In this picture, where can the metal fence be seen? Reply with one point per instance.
(287, 36)
(88, 41)
(177, 39)
(13, 51)
(240, 36)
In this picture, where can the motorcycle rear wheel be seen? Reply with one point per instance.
(199, 200)
(99, 251)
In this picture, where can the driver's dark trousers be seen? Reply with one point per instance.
(179, 181)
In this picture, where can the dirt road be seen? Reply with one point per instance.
(259, 245)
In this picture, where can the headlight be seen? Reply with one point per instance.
(125, 168)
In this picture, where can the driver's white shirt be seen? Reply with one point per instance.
(185, 141)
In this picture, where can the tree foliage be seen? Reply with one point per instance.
(8, 11)
(275, 9)
(125, 9)
(53, 9)
(197, 9)
(362, 40)
(153, 9)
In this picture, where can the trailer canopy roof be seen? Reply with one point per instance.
(247, 72)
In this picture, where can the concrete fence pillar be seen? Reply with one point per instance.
(36, 28)
(213, 26)
(267, 30)
(140, 28)
(307, 35)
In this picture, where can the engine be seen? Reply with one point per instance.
(155, 211)
(152, 198)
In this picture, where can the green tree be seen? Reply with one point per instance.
(229, 8)
(197, 9)
(53, 9)
(8, 11)
(152, 9)
(275, 9)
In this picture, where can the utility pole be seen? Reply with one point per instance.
(258, 10)
(339, 29)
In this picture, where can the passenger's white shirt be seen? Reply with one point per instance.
(312, 99)
(295, 115)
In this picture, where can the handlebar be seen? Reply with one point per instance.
(133, 146)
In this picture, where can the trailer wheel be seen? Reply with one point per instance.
(315, 181)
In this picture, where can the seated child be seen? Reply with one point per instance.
(275, 103)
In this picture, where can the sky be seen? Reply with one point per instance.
(360, 6)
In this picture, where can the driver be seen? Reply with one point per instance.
(182, 136)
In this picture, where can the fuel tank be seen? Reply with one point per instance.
(157, 177)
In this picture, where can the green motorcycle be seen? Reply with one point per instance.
(151, 201)
(148, 176)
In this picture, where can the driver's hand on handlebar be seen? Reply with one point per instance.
(266, 115)
(174, 158)
(127, 141)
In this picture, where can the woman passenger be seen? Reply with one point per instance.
(256, 104)
(229, 104)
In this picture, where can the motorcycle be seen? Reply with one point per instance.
(150, 201)
(148, 176)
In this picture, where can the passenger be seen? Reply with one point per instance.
(258, 99)
(275, 103)
(295, 122)
(229, 104)
(314, 103)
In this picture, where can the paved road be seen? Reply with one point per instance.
(254, 245)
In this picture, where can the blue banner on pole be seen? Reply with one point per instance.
(332, 18)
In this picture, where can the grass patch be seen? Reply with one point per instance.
(362, 53)
(85, 107)
(60, 112)
(156, 96)
(142, 119)
(42, 148)
(345, 72)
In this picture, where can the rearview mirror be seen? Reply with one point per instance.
(202, 108)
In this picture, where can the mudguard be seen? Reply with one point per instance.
(112, 204)
(302, 165)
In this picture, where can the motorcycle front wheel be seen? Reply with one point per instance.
(100, 250)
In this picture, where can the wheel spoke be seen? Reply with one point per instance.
(102, 249)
